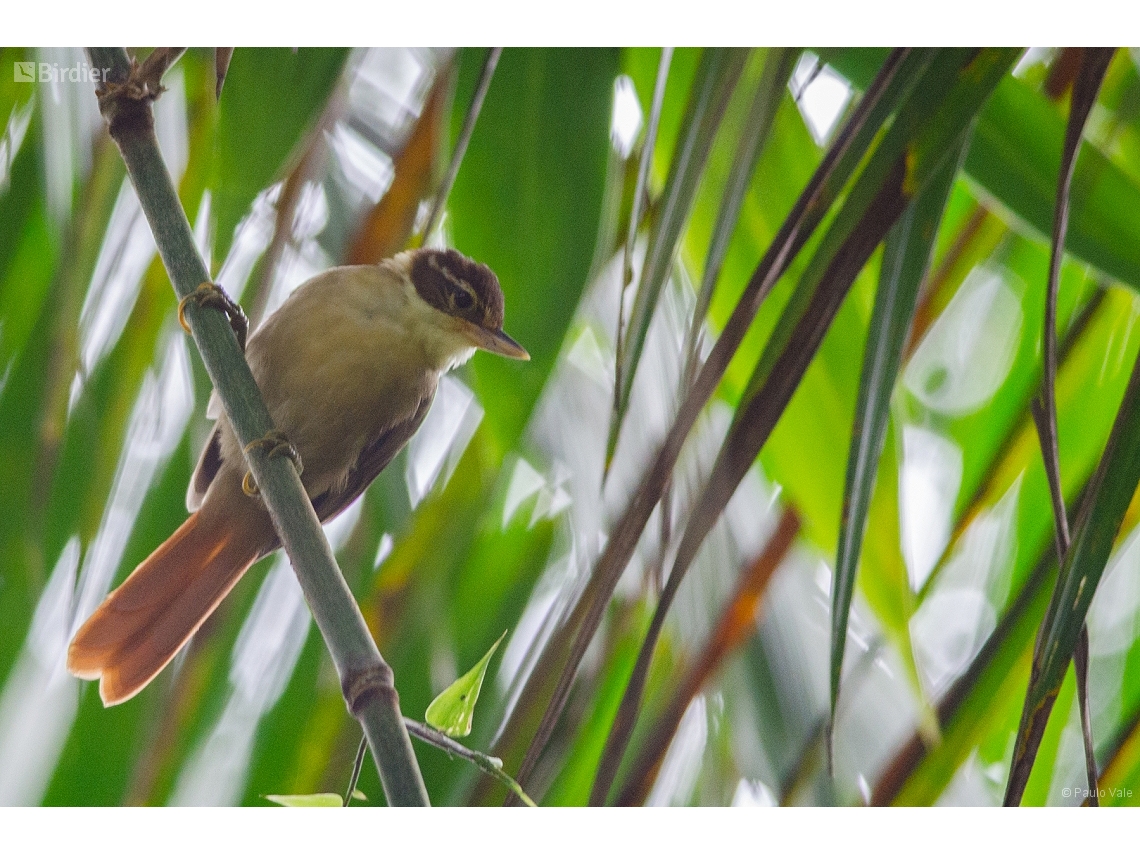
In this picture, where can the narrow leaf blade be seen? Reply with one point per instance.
(528, 204)
(1015, 155)
(1093, 66)
(1107, 497)
(905, 259)
(719, 70)
(762, 114)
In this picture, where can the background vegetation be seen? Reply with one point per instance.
(523, 504)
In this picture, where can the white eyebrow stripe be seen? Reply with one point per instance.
(451, 277)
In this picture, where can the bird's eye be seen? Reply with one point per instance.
(462, 299)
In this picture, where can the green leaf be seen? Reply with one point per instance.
(454, 708)
(272, 95)
(527, 202)
(1015, 154)
(979, 713)
(311, 800)
(905, 259)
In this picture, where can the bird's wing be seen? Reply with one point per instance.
(210, 460)
(377, 454)
(204, 472)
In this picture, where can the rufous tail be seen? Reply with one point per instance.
(143, 623)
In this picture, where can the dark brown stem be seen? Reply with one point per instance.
(1093, 65)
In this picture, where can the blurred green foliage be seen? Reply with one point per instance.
(495, 523)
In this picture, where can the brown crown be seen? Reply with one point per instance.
(453, 283)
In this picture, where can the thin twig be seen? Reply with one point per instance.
(286, 207)
(492, 766)
(461, 144)
(157, 64)
(639, 191)
(757, 129)
(356, 767)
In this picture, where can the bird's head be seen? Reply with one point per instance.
(468, 293)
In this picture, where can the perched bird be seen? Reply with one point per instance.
(348, 367)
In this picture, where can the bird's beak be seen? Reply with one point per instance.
(497, 341)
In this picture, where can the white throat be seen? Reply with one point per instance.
(444, 347)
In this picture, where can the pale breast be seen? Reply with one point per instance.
(336, 368)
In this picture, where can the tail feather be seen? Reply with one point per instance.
(143, 624)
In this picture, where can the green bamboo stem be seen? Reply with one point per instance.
(366, 679)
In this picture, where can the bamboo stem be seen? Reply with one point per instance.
(366, 679)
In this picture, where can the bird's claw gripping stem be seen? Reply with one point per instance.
(274, 444)
(209, 294)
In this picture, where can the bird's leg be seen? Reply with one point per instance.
(209, 294)
(274, 444)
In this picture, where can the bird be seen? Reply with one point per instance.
(348, 367)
